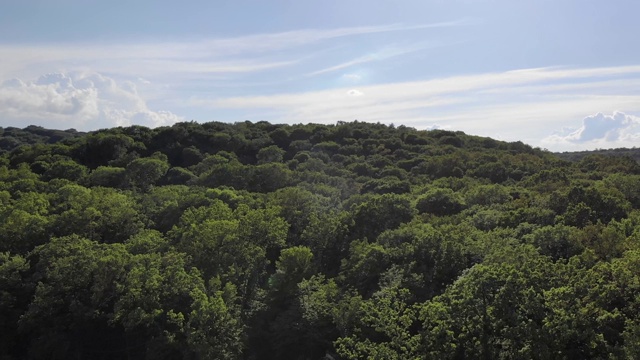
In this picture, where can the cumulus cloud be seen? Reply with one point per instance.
(78, 100)
(600, 126)
(600, 130)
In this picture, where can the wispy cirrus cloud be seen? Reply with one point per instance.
(379, 55)
(420, 90)
(240, 54)
(288, 39)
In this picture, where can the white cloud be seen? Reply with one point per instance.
(84, 101)
(242, 54)
(352, 77)
(95, 84)
(600, 130)
(424, 92)
(379, 55)
(600, 126)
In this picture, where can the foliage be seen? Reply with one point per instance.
(440, 202)
(345, 241)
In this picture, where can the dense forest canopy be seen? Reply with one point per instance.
(346, 241)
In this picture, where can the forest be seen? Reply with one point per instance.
(346, 241)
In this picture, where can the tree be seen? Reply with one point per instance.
(594, 314)
(145, 172)
(206, 234)
(270, 154)
(297, 205)
(25, 222)
(294, 265)
(101, 148)
(377, 213)
(440, 201)
(167, 307)
(326, 236)
(13, 298)
(487, 195)
(212, 331)
(558, 242)
(107, 176)
(75, 286)
(384, 329)
(101, 214)
(494, 310)
(66, 169)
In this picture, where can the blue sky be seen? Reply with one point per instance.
(561, 75)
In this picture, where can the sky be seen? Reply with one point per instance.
(561, 75)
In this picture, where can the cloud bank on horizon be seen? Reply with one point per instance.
(491, 71)
(77, 100)
(600, 130)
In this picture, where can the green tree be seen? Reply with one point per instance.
(384, 328)
(558, 242)
(75, 286)
(66, 169)
(101, 148)
(594, 314)
(487, 195)
(25, 222)
(101, 214)
(294, 265)
(167, 306)
(494, 310)
(377, 213)
(206, 234)
(326, 236)
(13, 298)
(440, 202)
(145, 172)
(107, 176)
(270, 154)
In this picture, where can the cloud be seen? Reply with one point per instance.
(521, 105)
(266, 77)
(240, 54)
(379, 55)
(84, 101)
(600, 130)
(600, 126)
(96, 84)
(425, 91)
(352, 77)
(472, 90)
(288, 39)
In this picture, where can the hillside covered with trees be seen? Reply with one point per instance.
(633, 153)
(346, 241)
